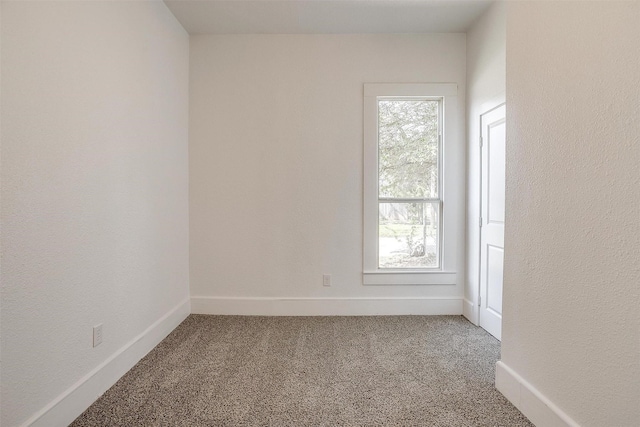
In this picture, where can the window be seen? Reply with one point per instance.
(404, 204)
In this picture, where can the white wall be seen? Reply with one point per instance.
(572, 271)
(276, 164)
(0, 207)
(94, 188)
(486, 68)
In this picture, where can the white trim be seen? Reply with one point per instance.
(492, 103)
(410, 89)
(533, 404)
(273, 306)
(382, 277)
(75, 400)
(470, 311)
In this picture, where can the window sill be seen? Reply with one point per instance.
(389, 278)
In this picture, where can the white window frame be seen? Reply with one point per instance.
(445, 273)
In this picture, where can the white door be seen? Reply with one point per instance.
(492, 220)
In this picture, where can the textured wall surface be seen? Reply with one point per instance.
(94, 187)
(276, 157)
(572, 271)
(486, 67)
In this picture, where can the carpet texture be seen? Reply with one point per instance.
(312, 371)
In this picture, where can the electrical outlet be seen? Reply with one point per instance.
(97, 335)
(326, 280)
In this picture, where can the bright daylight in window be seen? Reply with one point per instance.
(409, 205)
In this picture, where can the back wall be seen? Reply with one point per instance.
(276, 163)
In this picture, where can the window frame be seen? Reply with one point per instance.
(446, 93)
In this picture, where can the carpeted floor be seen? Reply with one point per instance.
(312, 371)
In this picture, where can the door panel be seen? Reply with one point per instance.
(495, 258)
(492, 221)
(496, 171)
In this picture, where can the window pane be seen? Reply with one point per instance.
(408, 235)
(408, 148)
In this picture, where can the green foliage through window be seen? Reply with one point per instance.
(408, 148)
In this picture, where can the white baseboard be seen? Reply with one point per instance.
(470, 311)
(533, 404)
(74, 401)
(266, 306)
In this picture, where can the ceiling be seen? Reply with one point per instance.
(325, 16)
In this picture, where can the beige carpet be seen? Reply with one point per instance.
(312, 371)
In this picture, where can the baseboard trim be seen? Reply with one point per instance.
(75, 400)
(470, 311)
(267, 306)
(533, 404)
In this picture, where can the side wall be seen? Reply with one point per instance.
(486, 69)
(276, 164)
(571, 332)
(94, 197)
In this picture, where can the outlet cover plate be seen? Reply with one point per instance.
(97, 335)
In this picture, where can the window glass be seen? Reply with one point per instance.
(408, 148)
(408, 235)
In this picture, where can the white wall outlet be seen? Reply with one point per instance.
(97, 335)
(326, 280)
